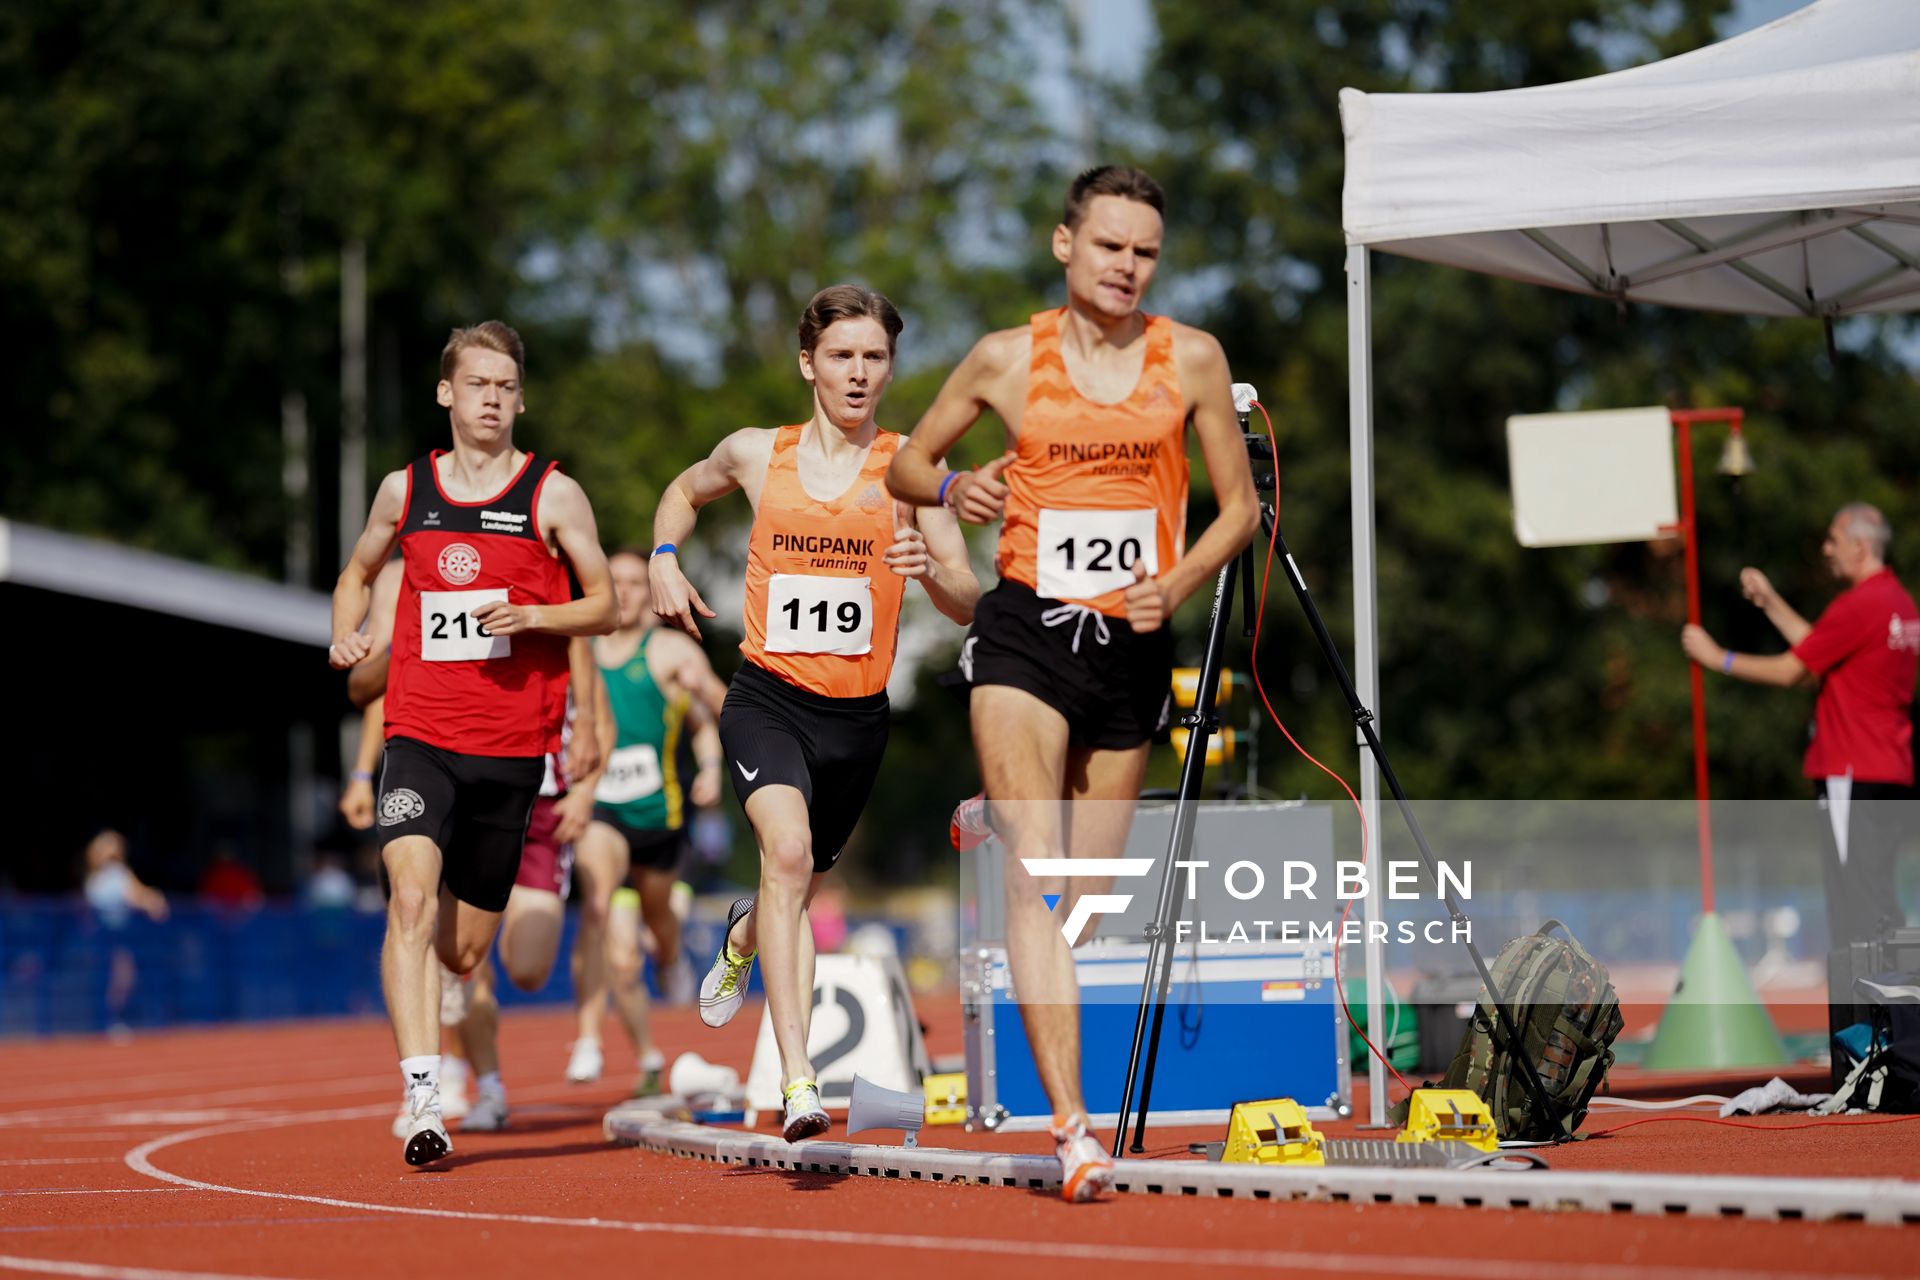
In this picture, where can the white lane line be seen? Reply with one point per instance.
(140, 1160)
(95, 1271)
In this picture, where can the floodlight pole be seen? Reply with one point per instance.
(1683, 420)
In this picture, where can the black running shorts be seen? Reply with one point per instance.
(475, 808)
(648, 848)
(829, 749)
(1113, 685)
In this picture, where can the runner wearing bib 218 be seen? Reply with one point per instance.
(805, 720)
(476, 686)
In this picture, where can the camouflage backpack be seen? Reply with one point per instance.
(1568, 1015)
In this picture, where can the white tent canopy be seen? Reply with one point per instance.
(1777, 173)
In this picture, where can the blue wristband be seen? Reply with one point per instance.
(1726, 663)
(361, 775)
(951, 477)
(666, 549)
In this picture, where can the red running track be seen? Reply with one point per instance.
(265, 1152)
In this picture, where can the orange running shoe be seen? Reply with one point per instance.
(971, 825)
(1086, 1170)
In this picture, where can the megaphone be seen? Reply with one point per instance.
(870, 1106)
(693, 1075)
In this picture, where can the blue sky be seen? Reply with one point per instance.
(1117, 29)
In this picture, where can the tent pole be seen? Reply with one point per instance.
(1366, 659)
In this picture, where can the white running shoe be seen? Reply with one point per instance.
(1086, 1170)
(454, 1076)
(805, 1117)
(489, 1111)
(724, 989)
(586, 1062)
(426, 1131)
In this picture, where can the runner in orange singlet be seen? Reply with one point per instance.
(1069, 656)
(805, 721)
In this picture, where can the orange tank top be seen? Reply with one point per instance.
(1095, 487)
(823, 608)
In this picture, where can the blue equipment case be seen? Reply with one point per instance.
(1244, 1020)
(1242, 1023)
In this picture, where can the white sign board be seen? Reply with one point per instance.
(1582, 478)
(863, 1022)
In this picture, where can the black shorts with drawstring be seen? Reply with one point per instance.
(1112, 684)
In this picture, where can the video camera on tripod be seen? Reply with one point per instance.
(1202, 723)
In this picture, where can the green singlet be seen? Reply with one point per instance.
(641, 786)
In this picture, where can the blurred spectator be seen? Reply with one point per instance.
(115, 893)
(332, 887)
(112, 890)
(229, 882)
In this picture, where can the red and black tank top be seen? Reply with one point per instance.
(450, 684)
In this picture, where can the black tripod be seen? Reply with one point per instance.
(1202, 723)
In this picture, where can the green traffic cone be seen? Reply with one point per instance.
(1715, 1018)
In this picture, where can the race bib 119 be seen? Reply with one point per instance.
(448, 632)
(1083, 554)
(808, 614)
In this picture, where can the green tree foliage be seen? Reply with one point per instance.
(1505, 672)
(649, 191)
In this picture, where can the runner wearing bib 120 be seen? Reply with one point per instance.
(476, 686)
(1069, 656)
(805, 720)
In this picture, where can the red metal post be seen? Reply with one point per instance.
(1689, 534)
(1683, 420)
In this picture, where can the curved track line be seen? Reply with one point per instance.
(96, 1271)
(140, 1160)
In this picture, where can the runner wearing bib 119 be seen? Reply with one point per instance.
(805, 720)
(1070, 655)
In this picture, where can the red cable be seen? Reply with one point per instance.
(1833, 1122)
(1265, 578)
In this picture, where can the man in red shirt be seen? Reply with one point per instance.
(1864, 650)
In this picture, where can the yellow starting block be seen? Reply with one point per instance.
(1186, 685)
(1450, 1115)
(946, 1098)
(1276, 1131)
(1220, 747)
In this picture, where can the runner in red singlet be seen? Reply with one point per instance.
(476, 685)
(1069, 656)
(805, 720)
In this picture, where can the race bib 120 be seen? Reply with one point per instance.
(448, 632)
(808, 614)
(1083, 554)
